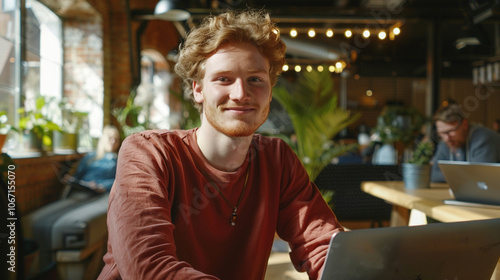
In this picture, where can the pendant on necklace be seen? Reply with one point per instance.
(232, 220)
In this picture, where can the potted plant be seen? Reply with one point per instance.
(417, 171)
(71, 120)
(396, 129)
(316, 118)
(36, 127)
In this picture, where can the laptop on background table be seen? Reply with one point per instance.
(472, 183)
(459, 250)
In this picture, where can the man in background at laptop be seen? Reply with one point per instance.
(462, 141)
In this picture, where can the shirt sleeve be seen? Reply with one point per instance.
(305, 221)
(483, 147)
(139, 220)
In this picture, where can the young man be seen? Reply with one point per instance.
(206, 203)
(462, 141)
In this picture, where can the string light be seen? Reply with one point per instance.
(329, 33)
(348, 33)
(311, 33)
(337, 68)
(366, 33)
(382, 35)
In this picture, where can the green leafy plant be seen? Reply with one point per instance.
(37, 121)
(423, 153)
(190, 115)
(399, 124)
(71, 118)
(316, 118)
(128, 117)
(4, 126)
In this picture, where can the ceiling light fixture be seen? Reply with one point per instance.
(172, 10)
(366, 33)
(461, 43)
(348, 33)
(293, 33)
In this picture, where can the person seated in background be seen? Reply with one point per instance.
(97, 170)
(462, 141)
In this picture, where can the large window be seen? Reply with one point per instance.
(42, 68)
(9, 57)
(42, 65)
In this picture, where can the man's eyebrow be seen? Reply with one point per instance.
(253, 71)
(258, 71)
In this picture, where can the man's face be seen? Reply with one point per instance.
(236, 90)
(453, 134)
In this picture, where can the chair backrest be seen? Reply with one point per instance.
(349, 201)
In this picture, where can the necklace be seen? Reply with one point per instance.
(234, 215)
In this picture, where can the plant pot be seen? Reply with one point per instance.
(416, 176)
(65, 140)
(31, 142)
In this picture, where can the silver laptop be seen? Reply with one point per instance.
(460, 250)
(472, 183)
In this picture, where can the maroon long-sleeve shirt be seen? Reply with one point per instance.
(167, 221)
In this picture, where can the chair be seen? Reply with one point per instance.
(350, 203)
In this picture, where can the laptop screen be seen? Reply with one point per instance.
(462, 250)
(473, 181)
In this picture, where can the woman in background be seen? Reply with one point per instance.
(97, 169)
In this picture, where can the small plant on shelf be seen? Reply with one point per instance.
(37, 121)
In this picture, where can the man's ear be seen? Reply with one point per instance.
(197, 92)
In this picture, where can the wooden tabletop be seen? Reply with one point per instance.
(428, 201)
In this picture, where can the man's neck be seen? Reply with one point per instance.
(221, 151)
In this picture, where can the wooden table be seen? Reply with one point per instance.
(427, 201)
(412, 206)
